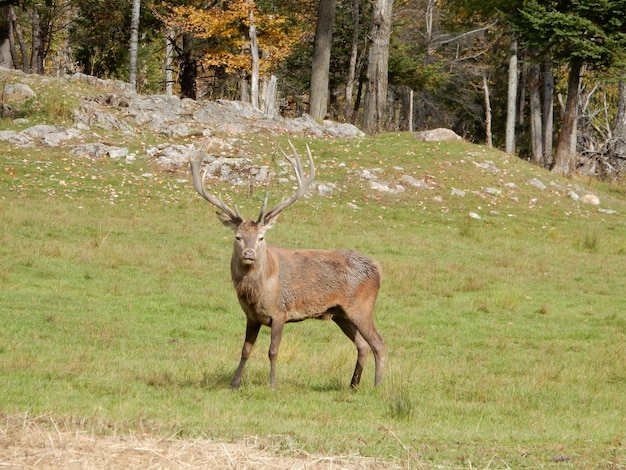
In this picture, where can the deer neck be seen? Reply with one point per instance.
(263, 268)
(252, 284)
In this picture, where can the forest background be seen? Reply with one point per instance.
(540, 79)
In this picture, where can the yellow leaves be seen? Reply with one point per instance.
(232, 62)
(225, 31)
(203, 24)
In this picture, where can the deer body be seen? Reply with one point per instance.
(302, 284)
(276, 286)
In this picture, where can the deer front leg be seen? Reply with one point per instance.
(252, 331)
(277, 333)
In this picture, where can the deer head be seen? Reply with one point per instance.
(250, 235)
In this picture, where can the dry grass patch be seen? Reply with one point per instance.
(45, 443)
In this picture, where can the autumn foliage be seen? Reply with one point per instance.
(224, 29)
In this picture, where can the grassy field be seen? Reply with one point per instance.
(506, 334)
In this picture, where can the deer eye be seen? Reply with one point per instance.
(238, 238)
(261, 238)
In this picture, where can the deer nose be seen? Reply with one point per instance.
(249, 254)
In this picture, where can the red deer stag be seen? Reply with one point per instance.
(277, 286)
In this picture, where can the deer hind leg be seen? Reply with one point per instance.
(377, 343)
(252, 331)
(363, 348)
(365, 326)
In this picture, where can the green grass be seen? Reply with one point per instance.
(506, 335)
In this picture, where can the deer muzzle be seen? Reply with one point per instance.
(248, 256)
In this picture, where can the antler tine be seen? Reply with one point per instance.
(195, 162)
(264, 206)
(303, 184)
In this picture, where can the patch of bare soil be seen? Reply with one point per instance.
(41, 443)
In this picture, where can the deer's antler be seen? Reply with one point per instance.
(195, 161)
(303, 185)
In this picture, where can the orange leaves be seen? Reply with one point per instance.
(225, 32)
(206, 24)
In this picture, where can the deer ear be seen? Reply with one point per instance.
(228, 221)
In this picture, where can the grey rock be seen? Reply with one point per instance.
(17, 93)
(411, 181)
(94, 150)
(437, 135)
(537, 184)
(325, 189)
(118, 152)
(7, 135)
(591, 199)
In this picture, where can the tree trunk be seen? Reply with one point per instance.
(20, 39)
(512, 98)
(534, 81)
(35, 39)
(377, 70)
(359, 96)
(188, 71)
(14, 32)
(548, 113)
(521, 89)
(254, 52)
(5, 39)
(406, 123)
(318, 99)
(619, 129)
(487, 111)
(565, 157)
(39, 38)
(169, 54)
(430, 13)
(244, 89)
(134, 42)
(270, 96)
(354, 51)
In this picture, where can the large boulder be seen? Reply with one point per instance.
(437, 135)
(17, 93)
